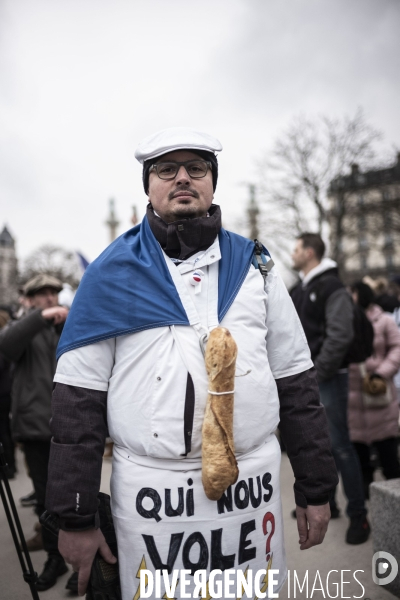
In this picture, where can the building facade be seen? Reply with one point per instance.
(364, 219)
(8, 269)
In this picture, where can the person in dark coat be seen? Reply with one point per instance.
(5, 405)
(31, 343)
(325, 309)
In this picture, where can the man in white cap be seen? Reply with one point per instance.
(133, 365)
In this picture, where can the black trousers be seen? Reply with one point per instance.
(388, 457)
(37, 457)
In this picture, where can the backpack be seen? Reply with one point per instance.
(362, 344)
(260, 260)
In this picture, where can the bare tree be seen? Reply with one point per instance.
(55, 261)
(295, 175)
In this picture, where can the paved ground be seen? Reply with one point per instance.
(333, 554)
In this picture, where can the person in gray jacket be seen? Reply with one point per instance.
(326, 312)
(31, 343)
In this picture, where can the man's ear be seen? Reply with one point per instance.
(310, 253)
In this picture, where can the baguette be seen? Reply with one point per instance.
(219, 466)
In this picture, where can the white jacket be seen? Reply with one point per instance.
(145, 373)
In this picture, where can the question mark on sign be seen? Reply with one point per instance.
(268, 518)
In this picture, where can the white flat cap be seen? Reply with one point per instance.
(176, 138)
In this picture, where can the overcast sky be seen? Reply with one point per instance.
(83, 81)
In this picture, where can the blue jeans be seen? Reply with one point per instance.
(333, 394)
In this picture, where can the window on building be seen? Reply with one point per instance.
(363, 262)
(388, 240)
(361, 179)
(387, 222)
(363, 250)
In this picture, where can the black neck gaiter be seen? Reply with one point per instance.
(181, 239)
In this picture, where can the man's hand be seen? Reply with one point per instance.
(57, 314)
(79, 549)
(312, 523)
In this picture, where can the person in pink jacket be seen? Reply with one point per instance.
(378, 426)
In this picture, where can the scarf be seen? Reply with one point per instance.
(181, 239)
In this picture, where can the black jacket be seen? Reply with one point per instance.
(5, 378)
(326, 312)
(31, 344)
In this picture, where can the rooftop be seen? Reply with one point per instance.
(361, 180)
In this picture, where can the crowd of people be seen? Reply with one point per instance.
(358, 389)
(354, 337)
(350, 363)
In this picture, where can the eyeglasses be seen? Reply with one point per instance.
(196, 169)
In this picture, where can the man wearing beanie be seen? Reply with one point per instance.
(134, 366)
(30, 343)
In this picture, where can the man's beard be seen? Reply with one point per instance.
(185, 211)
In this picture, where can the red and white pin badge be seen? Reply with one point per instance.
(197, 277)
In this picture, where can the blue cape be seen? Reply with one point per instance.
(128, 288)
